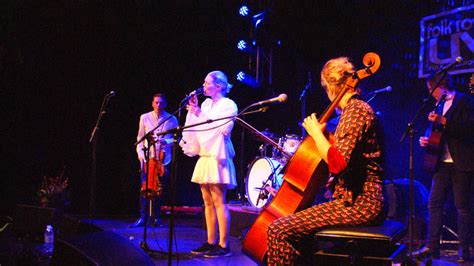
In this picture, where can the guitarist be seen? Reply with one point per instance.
(354, 157)
(455, 165)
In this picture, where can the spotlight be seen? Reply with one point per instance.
(242, 45)
(244, 11)
(247, 79)
(246, 45)
(240, 76)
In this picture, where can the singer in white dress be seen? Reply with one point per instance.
(214, 171)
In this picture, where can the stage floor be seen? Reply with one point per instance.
(189, 233)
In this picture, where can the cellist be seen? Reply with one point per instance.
(354, 159)
(161, 151)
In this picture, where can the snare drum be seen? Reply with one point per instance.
(264, 171)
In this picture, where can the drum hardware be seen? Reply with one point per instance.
(267, 189)
(263, 180)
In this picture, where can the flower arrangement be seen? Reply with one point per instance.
(52, 191)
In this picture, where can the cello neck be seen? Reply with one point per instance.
(331, 107)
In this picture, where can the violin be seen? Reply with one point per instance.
(303, 177)
(154, 169)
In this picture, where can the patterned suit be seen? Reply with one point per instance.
(357, 199)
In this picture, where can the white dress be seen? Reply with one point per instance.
(212, 143)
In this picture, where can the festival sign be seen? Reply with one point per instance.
(444, 37)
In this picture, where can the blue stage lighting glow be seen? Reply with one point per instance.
(244, 11)
(242, 45)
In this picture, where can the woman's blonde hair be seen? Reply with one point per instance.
(335, 73)
(221, 79)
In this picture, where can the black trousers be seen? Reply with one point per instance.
(448, 177)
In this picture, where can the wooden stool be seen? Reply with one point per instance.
(371, 245)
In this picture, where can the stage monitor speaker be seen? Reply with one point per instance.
(99, 248)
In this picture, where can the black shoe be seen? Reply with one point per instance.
(218, 252)
(203, 249)
(425, 252)
(138, 223)
(463, 256)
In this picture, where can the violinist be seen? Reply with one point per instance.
(353, 157)
(161, 153)
(454, 168)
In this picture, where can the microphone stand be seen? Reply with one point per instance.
(303, 102)
(410, 131)
(93, 140)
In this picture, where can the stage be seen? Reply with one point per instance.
(109, 240)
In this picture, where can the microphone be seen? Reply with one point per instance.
(280, 99)
(447, 67)
(386, 89)
(194, 92)
(110, 94)
(456, 61)
(197, 91)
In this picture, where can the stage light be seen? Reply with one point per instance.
(242, 45)
(246, 45)
(240, 76)
(258, 18)
(244, 11)
(247, 79)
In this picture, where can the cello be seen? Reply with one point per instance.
(303, 177)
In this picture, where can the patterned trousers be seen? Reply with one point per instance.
(287, 234)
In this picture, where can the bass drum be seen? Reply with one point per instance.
(264, 176)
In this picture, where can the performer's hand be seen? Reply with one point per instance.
(423, 141)
(193, 107)
(193, 101)
(436, 118)
(312, 125)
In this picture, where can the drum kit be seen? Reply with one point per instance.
(265, 173)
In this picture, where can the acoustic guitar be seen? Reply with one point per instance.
(304, 175)
(434, 133)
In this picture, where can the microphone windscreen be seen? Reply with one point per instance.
(282, 98)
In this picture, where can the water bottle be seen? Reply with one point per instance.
(49, 238)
